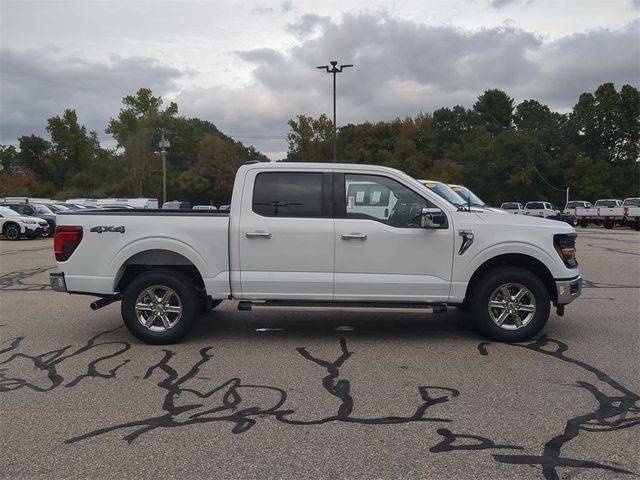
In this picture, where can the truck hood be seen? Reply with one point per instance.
(524, 221)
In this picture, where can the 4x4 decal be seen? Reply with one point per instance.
(107, 228)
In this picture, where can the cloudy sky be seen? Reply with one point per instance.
(249, 66)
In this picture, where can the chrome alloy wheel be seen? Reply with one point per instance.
(158, 308)
(512, 306)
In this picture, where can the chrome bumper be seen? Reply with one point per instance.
(57, 282)
(568, 290)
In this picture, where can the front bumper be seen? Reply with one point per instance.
(57, 282)
(568, 290)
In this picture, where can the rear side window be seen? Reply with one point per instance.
(288, 194)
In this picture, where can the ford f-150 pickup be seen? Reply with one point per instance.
(309, 235)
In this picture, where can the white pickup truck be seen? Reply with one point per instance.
(329, 235)
(609, 212)
(631, 212)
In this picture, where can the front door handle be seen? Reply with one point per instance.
(258, 235)
(354, 236)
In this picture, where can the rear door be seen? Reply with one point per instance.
(381, 253)
(286, 247)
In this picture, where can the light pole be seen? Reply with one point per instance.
(163, 144)
(334, 69)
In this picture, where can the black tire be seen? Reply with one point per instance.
(584, 223)
(11, 231)
(608, 225)
(187, 299)
(489, 285)
(637, 224)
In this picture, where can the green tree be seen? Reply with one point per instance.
(72, 148)
(137, 129)
(495, 109)
(310, 139)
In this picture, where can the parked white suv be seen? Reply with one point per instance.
(13, 225)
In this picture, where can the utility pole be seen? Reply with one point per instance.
(334, 69)
(163, 144)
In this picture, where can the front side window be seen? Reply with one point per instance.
(288, 194)
(384, 200)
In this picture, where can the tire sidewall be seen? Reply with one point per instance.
(488, 284)
(181, 286)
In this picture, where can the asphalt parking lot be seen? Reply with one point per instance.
(324, 394)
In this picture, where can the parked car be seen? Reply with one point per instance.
(443, 190)
(294, 237)
(550, 211)
(35, 210)
(143, 202)
(203, 207)
(176, 205)
(540, 209)
(14, 226)
(513, 207)
(631, 212)
(609, 211)
(472, 199)
(585, 213)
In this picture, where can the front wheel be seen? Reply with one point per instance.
(510, 304)
(160, 307)
(11, 232)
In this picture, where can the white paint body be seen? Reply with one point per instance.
(307, 258)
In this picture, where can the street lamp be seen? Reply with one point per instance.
(334, 69)
(163, 152)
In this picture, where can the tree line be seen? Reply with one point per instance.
(502, 151)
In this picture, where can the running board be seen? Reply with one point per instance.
(246, 305)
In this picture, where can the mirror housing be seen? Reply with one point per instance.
(433, 218)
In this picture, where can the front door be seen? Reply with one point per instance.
(381, 253)
(286, 236)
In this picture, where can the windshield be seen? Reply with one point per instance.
(7, 212)
(632, 202)
(510, 206)
(43, 210)
(445, 192)
(468, 196)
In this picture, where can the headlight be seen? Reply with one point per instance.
(565, 245)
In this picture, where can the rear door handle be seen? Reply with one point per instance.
(354, 236)
(258, 235)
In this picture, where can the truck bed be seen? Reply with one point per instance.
(114, 240)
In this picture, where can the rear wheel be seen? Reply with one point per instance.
(160, 307)
(510, 304)
(608, 225)
(584, 223)
(11, 231)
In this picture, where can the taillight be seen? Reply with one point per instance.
(66, 241)
(565, 245)
(626, 211)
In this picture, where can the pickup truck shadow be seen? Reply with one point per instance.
(229, 324)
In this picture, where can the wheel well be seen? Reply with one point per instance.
(516, 260)
(155, 260)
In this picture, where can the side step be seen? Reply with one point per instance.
(247, 305)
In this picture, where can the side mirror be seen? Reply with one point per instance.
(433, 218)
